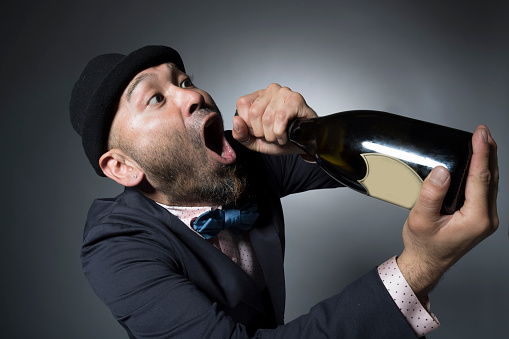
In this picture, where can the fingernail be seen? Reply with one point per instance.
(484, 133)
(235, 127)
(439, 176)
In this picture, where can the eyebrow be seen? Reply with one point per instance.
(136, 82)
(143, 77)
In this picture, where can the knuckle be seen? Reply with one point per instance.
(294, 98)
(267, 118)
(274, 87)
(280, 115)
(485, 177)
(254, 110)
(495, 223)
(486, 228)
(242, 101)
(280, 122)
(415, 221)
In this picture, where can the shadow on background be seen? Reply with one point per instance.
(440, 62)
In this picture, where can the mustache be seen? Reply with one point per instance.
(201, 113)
(206, 108)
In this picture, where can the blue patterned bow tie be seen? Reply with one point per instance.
(211, 223)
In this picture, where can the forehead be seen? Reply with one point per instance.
(162, 68)
(163, 71)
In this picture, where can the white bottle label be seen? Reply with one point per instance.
(390, 179)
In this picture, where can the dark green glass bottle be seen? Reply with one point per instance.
(384, 155)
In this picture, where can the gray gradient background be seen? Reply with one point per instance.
(440, 61)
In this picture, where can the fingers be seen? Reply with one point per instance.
(479, 209)
(241, 132)
(495, 180)
(479, 176)
(435, 241)
(263, 112)
(251, 107)
(267, 112)
(482, 182)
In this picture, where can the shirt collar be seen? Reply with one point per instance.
(187, 214)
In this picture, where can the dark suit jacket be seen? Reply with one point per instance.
(161, 280)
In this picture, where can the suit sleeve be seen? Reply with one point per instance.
(149, 294)
(294, 175)
(364, 309)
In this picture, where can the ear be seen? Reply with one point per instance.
(120, 167)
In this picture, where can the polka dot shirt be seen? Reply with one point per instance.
(239, 249)
(417, 315)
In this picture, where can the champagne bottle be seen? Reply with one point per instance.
(384, 155)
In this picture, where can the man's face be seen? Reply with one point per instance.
(174, 131)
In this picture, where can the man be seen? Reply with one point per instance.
(148, 253)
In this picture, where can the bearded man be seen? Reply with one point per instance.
(194, 246)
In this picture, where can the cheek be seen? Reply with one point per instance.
(151, 132)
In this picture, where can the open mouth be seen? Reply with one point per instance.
(215, 141)
(213, 135)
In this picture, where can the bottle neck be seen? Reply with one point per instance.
(301, 133)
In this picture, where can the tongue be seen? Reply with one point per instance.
(228, 155)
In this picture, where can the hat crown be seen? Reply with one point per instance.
(92, 76)
(96, 94)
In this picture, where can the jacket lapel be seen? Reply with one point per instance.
(206, 266)
(268, 249)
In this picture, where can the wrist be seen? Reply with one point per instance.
(422, 276)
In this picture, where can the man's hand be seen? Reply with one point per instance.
(434, 242)
(263, 118)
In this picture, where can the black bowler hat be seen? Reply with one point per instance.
(96, 94)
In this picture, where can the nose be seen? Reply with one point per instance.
(191, 101)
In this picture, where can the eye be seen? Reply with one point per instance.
(156, 99)
(186, 83)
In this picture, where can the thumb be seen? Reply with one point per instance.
(433, 191)
(241, 132)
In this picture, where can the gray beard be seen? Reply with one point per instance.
(185, 182)
(183, 176)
